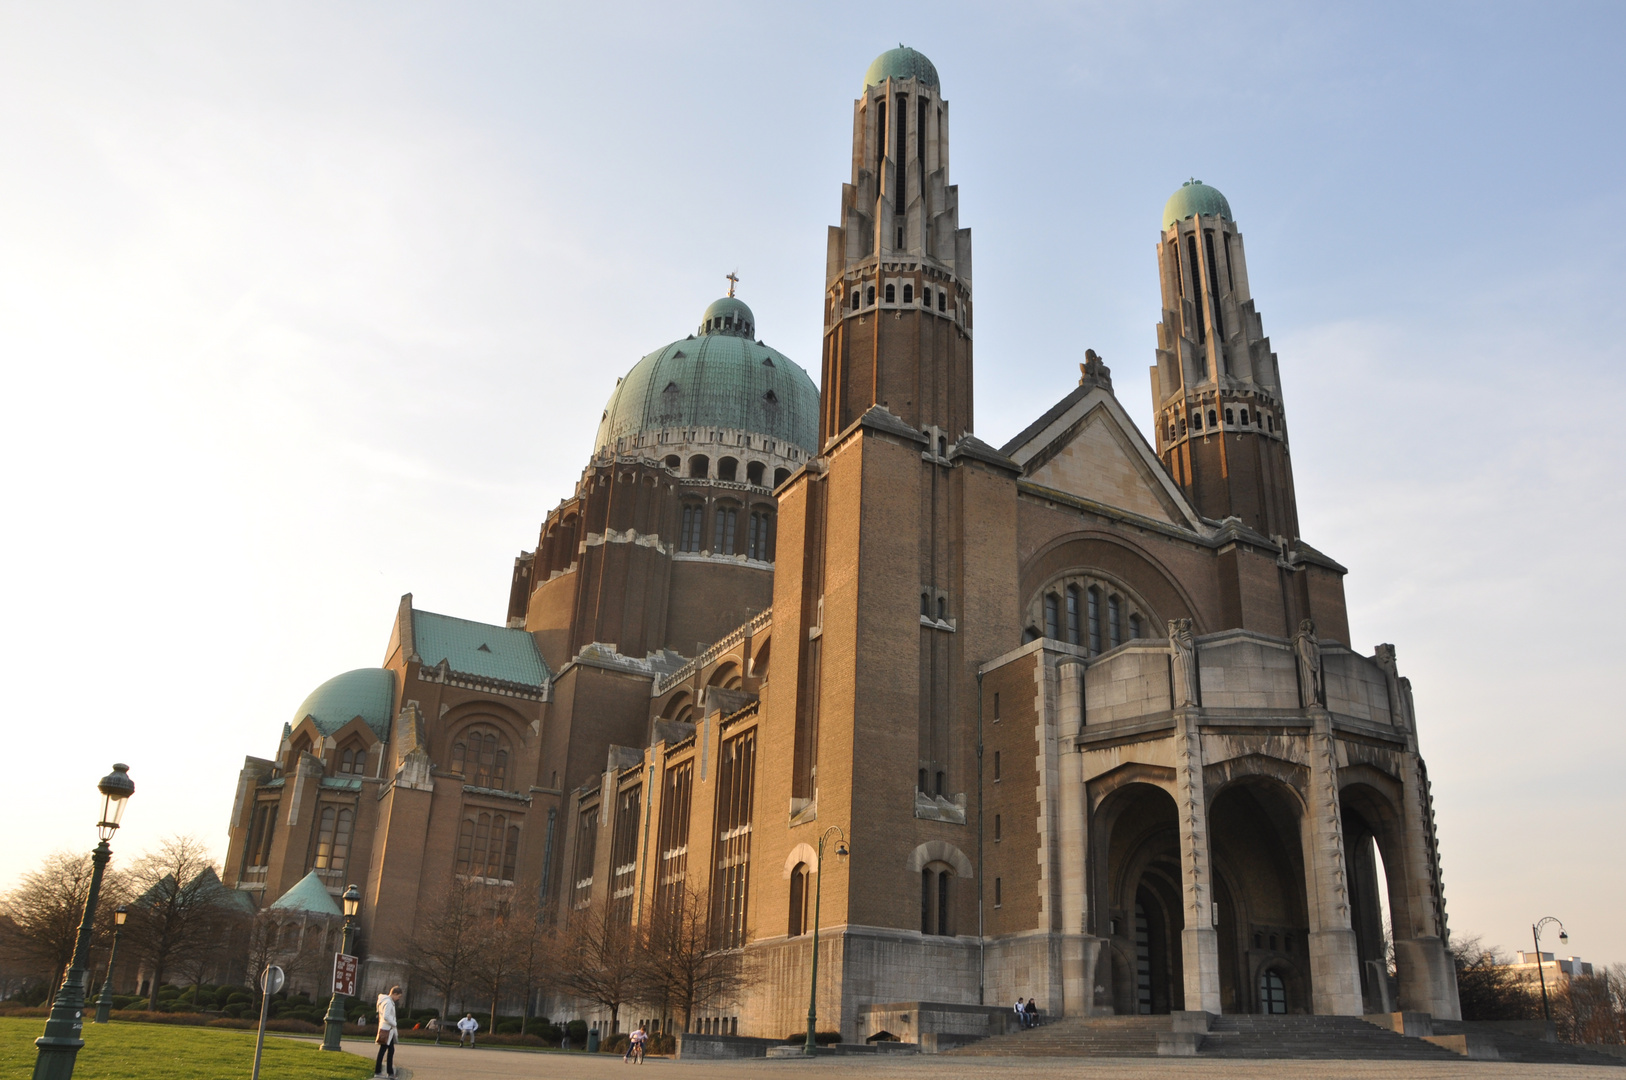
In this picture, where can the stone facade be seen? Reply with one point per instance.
(1083, 708)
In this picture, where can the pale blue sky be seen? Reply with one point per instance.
(301, 310)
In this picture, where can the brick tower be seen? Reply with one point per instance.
(1217, 390)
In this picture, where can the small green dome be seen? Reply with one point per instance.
(901, 63)
(366, 692)
(718, 379)
(728, 316)
(1195, 197)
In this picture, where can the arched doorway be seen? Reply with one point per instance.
(1139, 899)
(1254, 827)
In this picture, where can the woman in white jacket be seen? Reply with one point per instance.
(387, 1031)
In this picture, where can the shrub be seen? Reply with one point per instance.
(509, 1027)
(577, 1030)
(615, 1044)
(820, 1038)
(663, 1044)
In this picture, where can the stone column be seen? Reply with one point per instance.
(1199, 943)
(1426, 973)
(1077, 952)
(1335, 972)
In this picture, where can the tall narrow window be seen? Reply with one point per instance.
(1213, 285)
(1094, 595)
(908, 293)
(942, 300)
(1230, 274)
(900, 156)
(798, 901)
(891, 290)
(586, 854)
(1072, 615)
(999, 832)
(736, 787)
(677, 790)
(944, 878)
(693, 523)
(1115, 623)
(1196, 287)
(341, 840)
(324, 837)
(996, 766)
(920, 147)
(624, 855)
(1134, 627)
(1052, 616)
(722, 539)
(999, 898)
(510, 853)
(880, 145)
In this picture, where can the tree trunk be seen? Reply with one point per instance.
(157, 978)
(491, 1028)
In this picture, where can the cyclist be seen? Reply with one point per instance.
(635, 1046)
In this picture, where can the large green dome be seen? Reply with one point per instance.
(901, 63)
(718, 379)
(1195, 197)
(366, 692)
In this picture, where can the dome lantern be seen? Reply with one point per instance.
(1194, 198)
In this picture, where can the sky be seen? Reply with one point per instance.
(304, 307)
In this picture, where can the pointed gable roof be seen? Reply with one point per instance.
(308, 895)
(1087, 446)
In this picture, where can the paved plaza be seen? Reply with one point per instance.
(425, 1062)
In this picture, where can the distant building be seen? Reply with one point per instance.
(1557, 972)
(1085, 705)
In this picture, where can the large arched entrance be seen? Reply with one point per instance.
(1259, 885)
(1371, 846)
(1139, 900)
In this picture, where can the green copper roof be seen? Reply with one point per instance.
(1195, 197)
(728, 316)
(717, 380)
(366, 692)
(900, 63)
(308, 895)
(491, 652)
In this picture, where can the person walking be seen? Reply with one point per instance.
(466, 1028)
(388, 1032)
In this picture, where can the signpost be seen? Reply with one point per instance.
(271, 980)
(345, 968)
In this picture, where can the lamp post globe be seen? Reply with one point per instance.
(104, 1003)
(59, 1046)
(333, 1022)
(818, 895)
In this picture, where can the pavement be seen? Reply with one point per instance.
(415, 1061)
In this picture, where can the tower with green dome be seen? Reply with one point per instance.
(1216, 387)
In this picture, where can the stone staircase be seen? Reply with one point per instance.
(1328, 1037)
(1077, 1036)
(1513, 1045)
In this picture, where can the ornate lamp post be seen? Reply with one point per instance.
(334, 1021)
(818, 893)
(104, 1004)
(59, 1046)
(1541, 972)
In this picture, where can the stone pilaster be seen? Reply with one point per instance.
(1199, 944)
(1078, 950)
(1335, 973)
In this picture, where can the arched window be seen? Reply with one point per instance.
(1272, 993)
(942, 300)
(1244, 417)
(869, 295)
(1115, 623)
(908, 293)
(1211, 420)
(693, 520)
(302, 745)
(798, 901)
(1197, 421)
(925, 605)
(728, 468)
(891, 294)
(759, 544)
(722, 539)
(780, 476)
(1094, 613)
(1072, 614)
(1052, 616)
(856, 295)
(1230, 417)
(1134, 628)
(753, 473)
(481, 757)
(942, 608)
(1270, 424)
(699, 466)
(937, 900)
(926, 296)
(674, 462)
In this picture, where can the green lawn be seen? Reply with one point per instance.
(124, 1051)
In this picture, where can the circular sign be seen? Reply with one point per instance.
(271, 979)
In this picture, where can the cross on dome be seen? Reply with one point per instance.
(733, 280)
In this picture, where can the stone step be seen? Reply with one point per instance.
(1517, 1047)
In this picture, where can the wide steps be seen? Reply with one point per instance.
(1328, 1037)
(1077, 1036)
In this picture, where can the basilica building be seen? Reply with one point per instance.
(1082, 709)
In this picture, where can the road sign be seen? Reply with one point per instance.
(345, 967)
(271, 981)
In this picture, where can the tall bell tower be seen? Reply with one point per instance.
(898, 274)
(1216, 388)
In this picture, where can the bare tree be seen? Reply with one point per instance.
(531, 939)
(445, 947)
(1587, 1008)
(1487, 987)
(493, 961)
(600, 960)
(178, 896)
(682, 970)
(47, 906)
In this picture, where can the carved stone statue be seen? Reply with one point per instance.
(1312, 688)
(1094, 371)
(1183, 662)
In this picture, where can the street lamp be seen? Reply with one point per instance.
(1546, 1009)
(818, 893)
(59, 1046)
(104, 1004)
(334, 1034)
